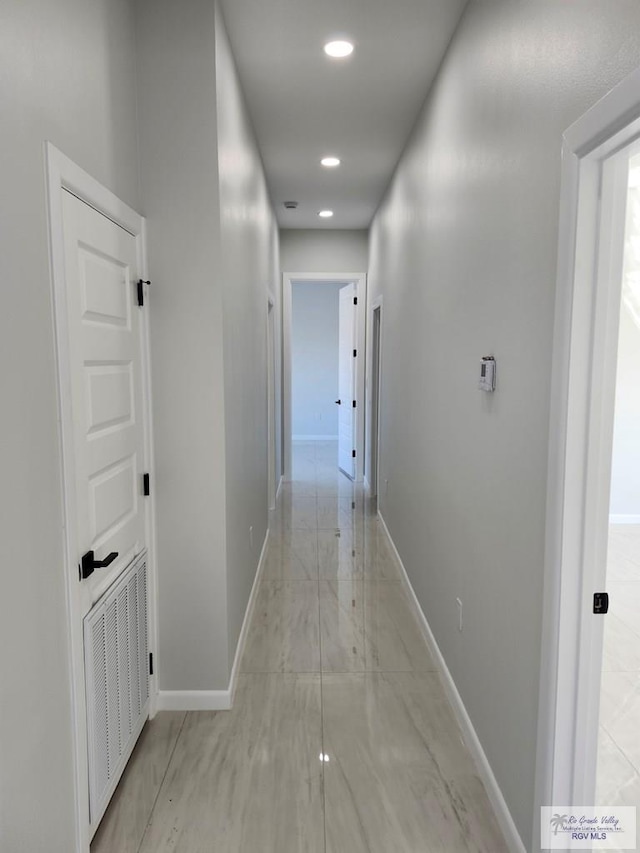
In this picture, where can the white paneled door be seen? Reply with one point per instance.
(346, 380)
(105, 372)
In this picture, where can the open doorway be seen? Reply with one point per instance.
(618, 765)
(322, 370)
(589, 641)
(323, 353)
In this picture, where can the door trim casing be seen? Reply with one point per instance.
(359, 279)
(272, 402)
(62, 174)
(376, 306)
(574, 465)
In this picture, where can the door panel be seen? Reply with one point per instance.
(106, 390)
(104, 291)
(346, 380)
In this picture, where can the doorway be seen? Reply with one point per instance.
(346, 401)
(353, 461)
(618, 763)
(102, 350)
(600, 153)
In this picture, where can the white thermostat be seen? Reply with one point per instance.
(487, 380)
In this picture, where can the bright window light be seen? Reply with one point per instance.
(338, 49)
(330, 162)
(325, 214)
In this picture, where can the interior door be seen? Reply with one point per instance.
(105, 368)
(346, 380)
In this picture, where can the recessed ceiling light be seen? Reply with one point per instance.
(325, 214)
(329, 162)
(338, 49)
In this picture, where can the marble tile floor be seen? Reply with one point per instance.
(341, 738)
(618, 776)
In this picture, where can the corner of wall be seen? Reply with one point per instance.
(248, 262)
(178, 139)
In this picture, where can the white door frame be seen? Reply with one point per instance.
(346, 380)
(374, 395)
(271, 403)
(63, 174)
(578, 468)
(359, 279)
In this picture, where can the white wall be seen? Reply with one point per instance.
(314, 359)
(67, 75)
(463, 250)
(324, 250)
(250, 271)
(178, 143)
(625, 473)
(213, 257)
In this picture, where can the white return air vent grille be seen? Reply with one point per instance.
(117, 681)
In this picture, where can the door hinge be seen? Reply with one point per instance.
(146, 485)
(354, 404)
(150, 663)
(355, 353)
(353, 453)
(355, 300)
(141, 285)
(600, 602)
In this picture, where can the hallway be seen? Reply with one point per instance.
(334, 668)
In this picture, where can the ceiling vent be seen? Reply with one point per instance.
(290, 205)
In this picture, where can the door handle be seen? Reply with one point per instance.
(338, 402)
(89, 563)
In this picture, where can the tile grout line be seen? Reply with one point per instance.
(164, 776)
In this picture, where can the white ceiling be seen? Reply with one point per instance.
(304, 105)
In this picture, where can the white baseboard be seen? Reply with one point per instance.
(314, 438)
(503, 815)
(624, 519)
(216, 700)
(247, 618)
(194, 700)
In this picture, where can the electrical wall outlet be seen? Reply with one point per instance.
(459, 603)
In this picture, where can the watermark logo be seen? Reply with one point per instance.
(588, 827)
